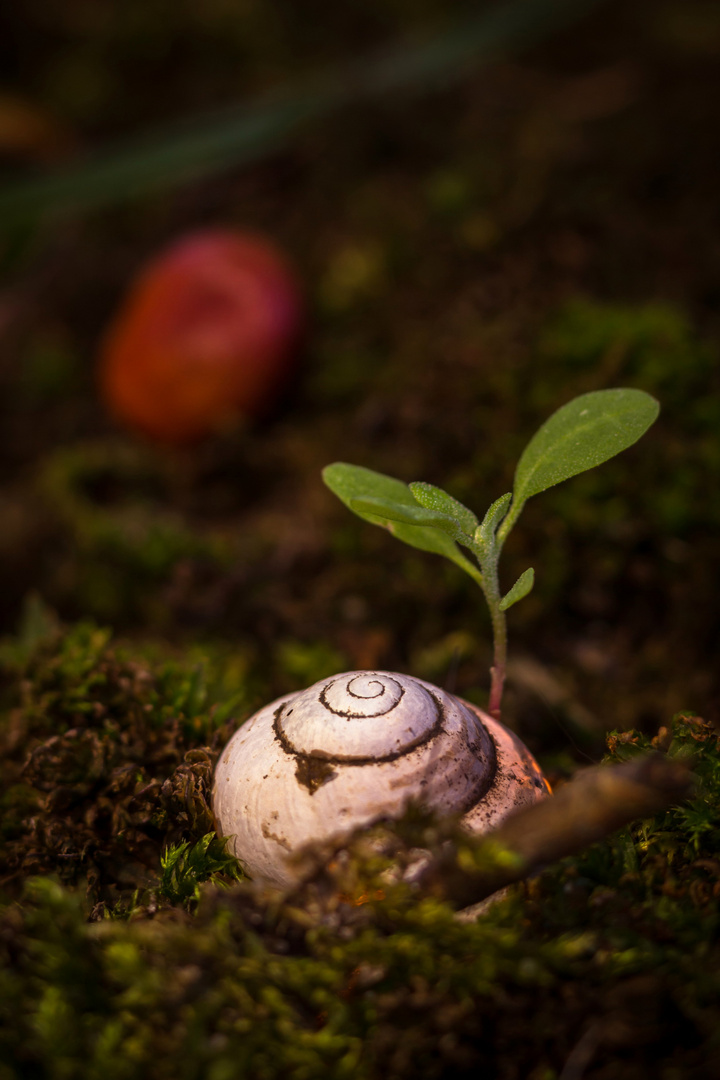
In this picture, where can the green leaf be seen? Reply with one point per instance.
(582, 434)
(398, 512)
(392, 511)
(434, 498)
(521, 588)
(410, 515)
(353, 484)
(485, 533)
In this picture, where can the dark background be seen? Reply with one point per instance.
(475, 251)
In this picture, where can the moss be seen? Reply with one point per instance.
(185, 865)
(104, 762)
(610, 958)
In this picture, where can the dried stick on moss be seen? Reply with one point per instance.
(598, 802)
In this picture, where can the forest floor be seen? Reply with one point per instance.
(473, 257)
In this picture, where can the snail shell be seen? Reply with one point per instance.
(318, 764)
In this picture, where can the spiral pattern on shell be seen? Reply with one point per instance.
(360, 717)
(356, 748)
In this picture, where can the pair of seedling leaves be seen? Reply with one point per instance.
(582, 434)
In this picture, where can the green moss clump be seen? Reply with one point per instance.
(105, 764)
(605, 965)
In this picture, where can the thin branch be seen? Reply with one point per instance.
(597, 803)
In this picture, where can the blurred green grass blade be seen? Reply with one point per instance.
(209, 144)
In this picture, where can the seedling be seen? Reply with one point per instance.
(584, 433)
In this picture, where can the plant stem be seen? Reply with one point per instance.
(490, 585)
(498, 669)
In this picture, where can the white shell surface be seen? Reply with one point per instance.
(518, 779)
(355, 748)
(361, 715)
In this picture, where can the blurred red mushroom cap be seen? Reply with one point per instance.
(209, 331)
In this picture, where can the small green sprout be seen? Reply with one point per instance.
(185, 866)
(582, 434)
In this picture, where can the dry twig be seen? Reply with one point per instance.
(593, 805)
